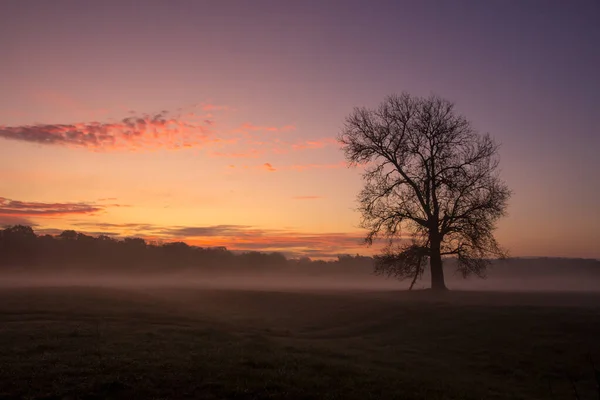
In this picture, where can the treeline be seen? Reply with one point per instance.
(21, 247)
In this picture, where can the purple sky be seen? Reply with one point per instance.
(260, 88)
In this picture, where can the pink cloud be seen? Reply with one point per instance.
(10, 207)
(135, 133)
(164, 131)
(314, 144)
(304, 167)
(247, 126)
(279, 146)
(296, 167)
(269, 167)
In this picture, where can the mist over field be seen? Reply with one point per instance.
(518, 274)
(290, 337)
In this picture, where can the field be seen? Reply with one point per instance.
(174, 342)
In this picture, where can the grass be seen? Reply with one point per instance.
(167, 343)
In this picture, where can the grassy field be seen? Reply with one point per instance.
(171, 343)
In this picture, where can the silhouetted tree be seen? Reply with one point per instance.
(19, 232)
(18, 243)
(68, 235)
(428, 176)
(20, 247)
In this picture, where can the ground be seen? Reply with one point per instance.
(172, 343)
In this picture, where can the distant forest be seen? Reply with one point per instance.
(21, 248)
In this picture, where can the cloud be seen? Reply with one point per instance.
(307, 197)
(184, 129)
(207, 231)
(278, 146)
(242, 238)
(314, 144)
(290, 242)
(142, 132)
(52, 231)
(249, 238)
(187, 128)
(33, 209)
(247, 126)
(175, 232)
(269, 167)
(304, 167)
(119, 227)
(265, 140)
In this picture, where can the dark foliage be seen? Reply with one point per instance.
(21, 247)
(409, 261)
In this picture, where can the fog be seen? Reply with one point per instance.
(523, 275)
(249, 281)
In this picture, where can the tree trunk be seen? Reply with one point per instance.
(435, 264)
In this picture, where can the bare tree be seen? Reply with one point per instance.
(431, 178)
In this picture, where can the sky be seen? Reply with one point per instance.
(214, 122)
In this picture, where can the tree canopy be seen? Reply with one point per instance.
(23, 250)
(431, 186)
